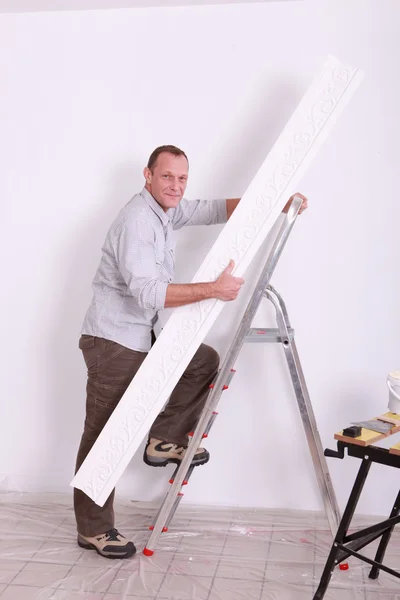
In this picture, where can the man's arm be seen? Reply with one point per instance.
(226, 287)
(179, 294)
(198, 212)
(136, 259)
(135, 252)
(232, 203)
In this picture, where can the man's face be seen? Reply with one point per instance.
(167, 182)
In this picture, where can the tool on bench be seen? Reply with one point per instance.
(353, 432)
(375, 425)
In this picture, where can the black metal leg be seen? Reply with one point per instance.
(343, 528)
(374, 573)
(326, 574)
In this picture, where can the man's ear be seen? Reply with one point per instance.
(147, 174)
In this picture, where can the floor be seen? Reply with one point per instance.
(208, 554)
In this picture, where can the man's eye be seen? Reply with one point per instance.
(183, 178)
(166, 176)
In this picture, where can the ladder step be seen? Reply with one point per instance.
(188, 475)
(175, 506)
(228, 380)
(210, 424)
(163, 529)
(208, 428)
(258, 335)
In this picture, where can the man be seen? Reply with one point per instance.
(133, 282)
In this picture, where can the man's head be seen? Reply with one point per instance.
(166, 175)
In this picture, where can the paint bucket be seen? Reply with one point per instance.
(393, 383)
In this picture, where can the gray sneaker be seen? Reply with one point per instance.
(159, 454)
(110, 544)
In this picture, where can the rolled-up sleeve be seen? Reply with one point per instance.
(136, 258)
(199, 212)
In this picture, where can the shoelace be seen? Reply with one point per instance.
(177, 449)
(112, 535)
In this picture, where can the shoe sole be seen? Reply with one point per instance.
(175, 461)
(127, 554)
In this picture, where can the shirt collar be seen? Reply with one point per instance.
(160, 212)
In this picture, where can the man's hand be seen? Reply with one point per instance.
(227, 287)
(303, 206)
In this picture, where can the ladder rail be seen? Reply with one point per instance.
(306, 411)
(284, 335)
(169, 502)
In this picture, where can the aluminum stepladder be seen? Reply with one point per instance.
(284, 334)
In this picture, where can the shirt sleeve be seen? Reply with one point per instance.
(136, 258)
(199, 212)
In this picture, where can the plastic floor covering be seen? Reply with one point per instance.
(209, 553)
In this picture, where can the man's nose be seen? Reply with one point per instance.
(173, 184)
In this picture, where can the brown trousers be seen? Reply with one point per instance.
(111, 368)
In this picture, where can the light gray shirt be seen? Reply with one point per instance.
(137, 264)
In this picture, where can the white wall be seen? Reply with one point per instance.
(85, 98)
(14, 6)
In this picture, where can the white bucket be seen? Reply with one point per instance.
(393, 383)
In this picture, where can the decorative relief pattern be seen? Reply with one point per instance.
(240, 240)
